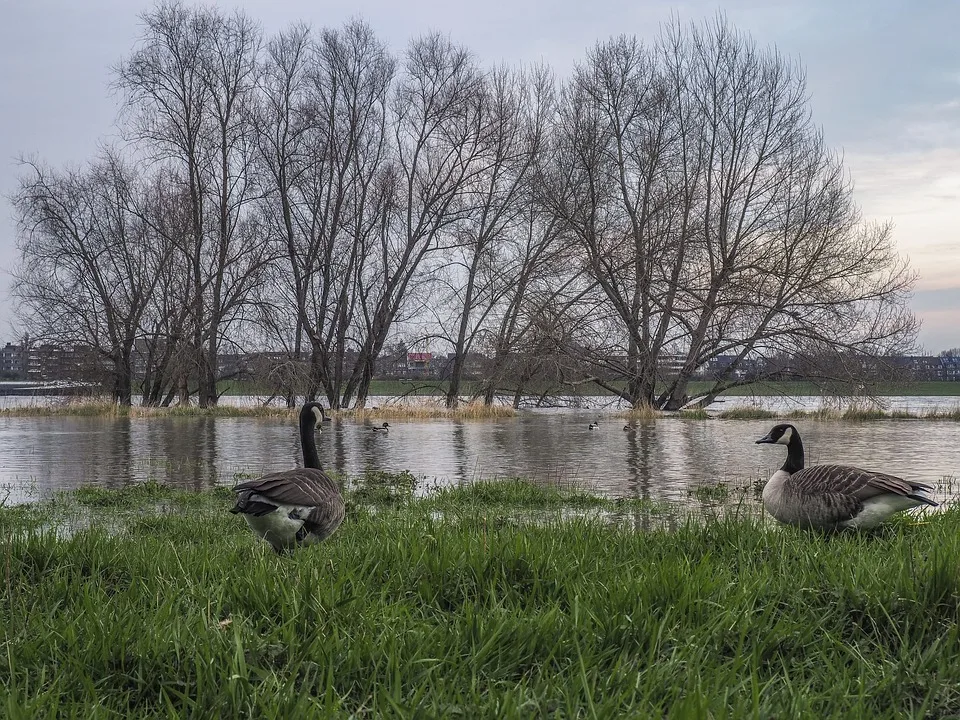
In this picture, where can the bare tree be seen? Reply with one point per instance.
(324, 144)
(89, 264)
(438, 135)
(481, 268)
(784, 262)
(285, 122)
(189, 88)
(711, 216)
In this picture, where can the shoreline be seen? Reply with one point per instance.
(469, 411)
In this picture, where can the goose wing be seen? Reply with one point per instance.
(854, 483)
(322, 520)
(302, 487)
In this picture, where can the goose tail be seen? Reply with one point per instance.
(248, 506)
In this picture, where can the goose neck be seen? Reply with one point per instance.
(794, 461)
(308, 441)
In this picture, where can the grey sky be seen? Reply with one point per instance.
(883, 78)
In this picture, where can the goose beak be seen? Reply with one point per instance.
(766, 439)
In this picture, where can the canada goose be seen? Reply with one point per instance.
(294, 507)
(381, 428)
(833, 497)
(595, 426)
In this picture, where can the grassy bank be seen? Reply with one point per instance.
(496, 600)
(850, 413)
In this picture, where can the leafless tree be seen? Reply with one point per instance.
(189, 90)
(483, 265)
(323, 141)
(711, 216)
(89, 264)
(438, 141)
(672, 205)
(284, 122)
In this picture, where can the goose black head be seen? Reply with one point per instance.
(313, 412)
(779, 435)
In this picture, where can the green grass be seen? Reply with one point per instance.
(781, 387)
(453, 605)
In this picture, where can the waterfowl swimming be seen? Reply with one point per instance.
(595, 426)
(294, 507)
(627, 428)
(834, 497)
(381, 428)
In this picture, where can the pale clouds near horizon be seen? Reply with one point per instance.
(883, 79)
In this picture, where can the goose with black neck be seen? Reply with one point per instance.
(296, 507)
(834, 497)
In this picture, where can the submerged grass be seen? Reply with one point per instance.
(746, 413)
(413, 409)
(99, 408)
(426, 607)
(850, 413)
(427, 408)
(435, 408)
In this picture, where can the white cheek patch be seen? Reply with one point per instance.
(318, 414)
(785, 438)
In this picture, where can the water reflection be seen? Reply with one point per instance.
(660, 461)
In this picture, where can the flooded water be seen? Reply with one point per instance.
(663, 460)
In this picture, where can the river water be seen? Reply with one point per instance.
(662, 460)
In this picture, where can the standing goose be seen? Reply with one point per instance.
(834, 497)
(294, 507)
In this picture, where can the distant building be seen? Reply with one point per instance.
(928, 367)
(54, 362)
(418, 364)
(12, 362)
(671, 365)
(474, 366)
(949, 368)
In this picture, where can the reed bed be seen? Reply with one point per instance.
(414, 408)
(162, 604)
(430, 408)
(848, 414)
(99, 408)
(644, 413)
(410, 408)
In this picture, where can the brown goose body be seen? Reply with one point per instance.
(294, 507)
(834, 497)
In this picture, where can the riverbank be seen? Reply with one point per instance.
(787, 388)
(490, 600)
(430, 409)
(423, 409)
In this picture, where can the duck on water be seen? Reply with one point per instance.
(834, 497)
(295, 507)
